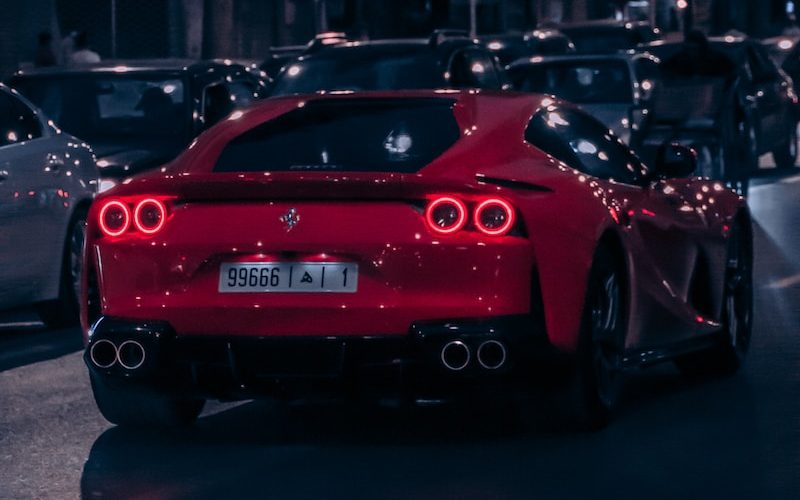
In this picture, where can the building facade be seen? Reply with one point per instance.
(248, 28)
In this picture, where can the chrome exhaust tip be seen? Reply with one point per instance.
(492, 354)
(455, 355)
(103, 353)
(130, 354)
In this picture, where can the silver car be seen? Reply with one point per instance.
(47, 182)
(616, 88)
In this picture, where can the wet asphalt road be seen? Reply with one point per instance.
(732, 438)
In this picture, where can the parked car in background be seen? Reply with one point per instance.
(608, 35)
(444, 60)
(615, 89)
(751, 112)
(138, 114)
(456, 242)
(278, 57)
(510, 47)
(48, 179)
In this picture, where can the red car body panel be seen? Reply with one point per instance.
(407, 272)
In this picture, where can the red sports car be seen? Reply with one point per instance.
(439, 241)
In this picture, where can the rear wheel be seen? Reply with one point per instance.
(737, 314)
(596, 383)
(135, 407)
(63, 311)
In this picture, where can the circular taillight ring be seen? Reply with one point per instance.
(162, 209)
(115, 204)
(498, 231)
(461, 208)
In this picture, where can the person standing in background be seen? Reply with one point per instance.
(67, 47)
(45, 54)
(83, 54)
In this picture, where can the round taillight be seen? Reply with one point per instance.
(446, 215)
(150, 215)
(494, 217)
(115, 218)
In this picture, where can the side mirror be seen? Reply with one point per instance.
(675, 161)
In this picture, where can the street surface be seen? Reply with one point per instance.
(673, 438)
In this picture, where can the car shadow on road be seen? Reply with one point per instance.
(454, 451)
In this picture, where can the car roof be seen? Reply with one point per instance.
(628, 57)
(732, 46)
(729, 40)
(390, 46)
(625, 57)
(130, 66)
(538, 33)
(601, 24)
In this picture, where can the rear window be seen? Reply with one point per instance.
(578, 81)
(363, 135)
(113, 106)
(360, 70)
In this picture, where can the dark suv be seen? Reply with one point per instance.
(756, 103)
(442, 61)
(607, 36)
(138, 114)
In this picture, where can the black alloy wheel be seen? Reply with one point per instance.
(597, 382)
(63, 312)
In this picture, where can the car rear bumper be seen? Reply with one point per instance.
(230, 368)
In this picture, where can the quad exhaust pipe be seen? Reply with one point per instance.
(491, 355)
(103, 353)
(455, 355)
(130, 354)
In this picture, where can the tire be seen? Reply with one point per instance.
(786, 154)
(596, 382)
(138, 407)
(64, 311)
(737, 313)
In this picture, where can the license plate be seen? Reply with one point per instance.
(309, 277)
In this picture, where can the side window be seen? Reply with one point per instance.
(217, 103)
(474, 68)
(584, 143)
(18, 122)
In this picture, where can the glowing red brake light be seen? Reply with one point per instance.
(494, 217)
(149, 215)
(446, 215)
(115, 218)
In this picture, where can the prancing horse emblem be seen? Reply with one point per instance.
(291, 218)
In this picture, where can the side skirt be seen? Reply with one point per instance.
(646, 357)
